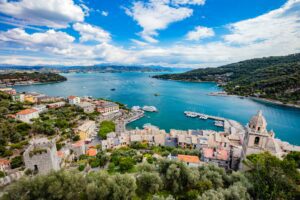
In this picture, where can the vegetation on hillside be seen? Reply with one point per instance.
(13, 78)
(105, 128)
(267, 178)
(275, 78)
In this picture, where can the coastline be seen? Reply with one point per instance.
(37, 83)
(272, 101)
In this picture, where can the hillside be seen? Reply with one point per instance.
(15, 78)
(276, 78)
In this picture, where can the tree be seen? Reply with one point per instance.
(272, 178)
(126, 163)
(16, 162)
(2, 174)
(148, 183)
(123, 188)
(105, 128)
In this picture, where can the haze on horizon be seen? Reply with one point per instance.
(173, 33)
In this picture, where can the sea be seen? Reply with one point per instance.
(172, 98)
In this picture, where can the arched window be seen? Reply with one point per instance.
(256, 141)
(258, 128)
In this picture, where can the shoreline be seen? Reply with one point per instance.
(38, 83)
(271, 101)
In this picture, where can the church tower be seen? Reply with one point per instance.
(257, 138)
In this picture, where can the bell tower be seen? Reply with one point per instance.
(256, 136)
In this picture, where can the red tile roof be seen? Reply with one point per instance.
(188, 159)
(27, 111)
(220, 154)
(91, 152)
(71, 97)
(4, 162)
(60, 154)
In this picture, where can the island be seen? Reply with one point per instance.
(27, 78)
(275, 79)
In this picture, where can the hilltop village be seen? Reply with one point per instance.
(90, 135)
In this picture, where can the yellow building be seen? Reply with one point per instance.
(86, 130)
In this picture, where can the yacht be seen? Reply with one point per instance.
(150, 109)
(219, 123)
(203, 116)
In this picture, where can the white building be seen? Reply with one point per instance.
(27, 114)
(40, 108)
(73, 100)
(87, 107)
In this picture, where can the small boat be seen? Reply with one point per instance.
(219, 123)
(113, 89)
(150, 109)
(203, 116)
(156, 94)
(191, 114)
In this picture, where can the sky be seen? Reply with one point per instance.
(172, 33)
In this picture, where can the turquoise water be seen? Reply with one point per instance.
(175, 98)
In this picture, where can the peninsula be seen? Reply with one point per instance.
(271, 78)
(28, 78)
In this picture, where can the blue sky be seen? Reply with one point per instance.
(177, 33)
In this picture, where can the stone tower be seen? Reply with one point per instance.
(257, 139)
(41, 156)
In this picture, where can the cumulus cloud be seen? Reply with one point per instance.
(200, 32)
(104, 13)
(156, 15)
(191, 2)
(50, 13)
(91, 33)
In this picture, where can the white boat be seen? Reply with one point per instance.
(136, 108)
(219, 123)
(191, 114)
(150, 109)
(203, 116)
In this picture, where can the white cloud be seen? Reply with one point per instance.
(139, 43)
(191, 2)
(104, 13)
(156, 15)
(50, 13)
(200, 32)
(278, 25)
(91, 33)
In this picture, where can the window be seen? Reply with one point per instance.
(256, 141)
(258, 128)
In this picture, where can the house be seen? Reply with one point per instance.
(87, 107)
(56, 105)
(191, 161)
(73, 100)
(91, 152)
(4, 165)
(217, 156)
(40, 108)
(27, 114)
(18, 97)
(106, 107)
(41, 156)
(86, 130)
(10, 91)
(78, 148)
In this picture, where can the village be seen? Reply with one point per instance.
(101, 131)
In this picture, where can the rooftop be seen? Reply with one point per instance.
(188, 158)
(91, 152)
(220, 154)
(4, 162)
(27, 111)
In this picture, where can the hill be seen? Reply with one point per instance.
(276, 78)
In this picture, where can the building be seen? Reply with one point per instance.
(78, 148)
(9, 91)
(217, 156)
(258, 139)
(56, 105)
(86, 130)
(106, 107)
(73, 100)
(27, 114)
(91, 152)
(4, 165)
(19, 97)
(41, 156)
(191, 161)
(87, 107)
(40, 108)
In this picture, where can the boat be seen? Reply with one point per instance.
(203, 116)
(150, 109)
(136, 108)
(219, 123)
(156, 94)
(191, 114)
(113, 89)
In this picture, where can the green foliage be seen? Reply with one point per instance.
(16, 162)
(36, 76)
(81, 167)
(105, 128)
(273, 77)
(294, 156)
(2, 174)
(273, 178)
(148, 183)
